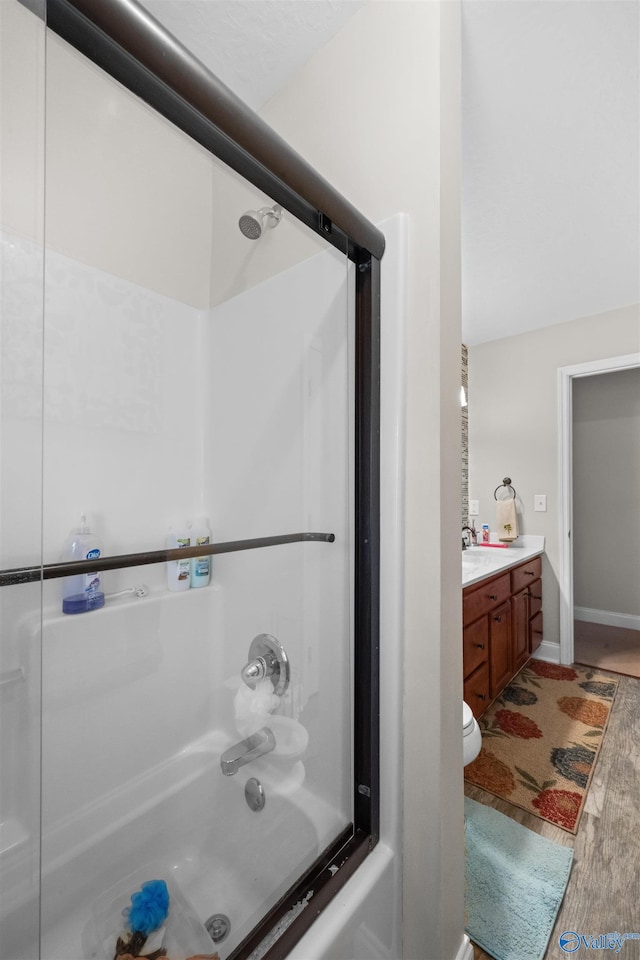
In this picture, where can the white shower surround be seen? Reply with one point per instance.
(86, 309)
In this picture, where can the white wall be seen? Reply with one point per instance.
(377, 111)
(118, 165)
(238, 263)
(513, 422)
(606, 492)
(22, 89)
(113, 162)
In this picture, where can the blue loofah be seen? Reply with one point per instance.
(149, 907)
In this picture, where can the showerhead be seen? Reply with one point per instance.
(253, 223)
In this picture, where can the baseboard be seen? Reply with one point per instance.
(466, 949)
(607, 617)
(548, 651)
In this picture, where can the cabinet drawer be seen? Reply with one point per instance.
(476, 690)
(475, 645)
(535, 598)
(485, 597)
(535, 632)
(523, 575)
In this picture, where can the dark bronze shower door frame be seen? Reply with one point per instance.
(125, 41)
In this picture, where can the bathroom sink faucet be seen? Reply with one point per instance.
(247, 750)
(471, 540)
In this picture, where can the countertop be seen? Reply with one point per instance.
(480, 562)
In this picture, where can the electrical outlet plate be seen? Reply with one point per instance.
(540, 502)
(474, 508)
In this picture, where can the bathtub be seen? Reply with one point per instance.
(179, 830)
(173, 823)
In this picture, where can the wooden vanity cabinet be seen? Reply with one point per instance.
(502, 627)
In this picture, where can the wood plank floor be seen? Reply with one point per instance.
(607, 648)
(603, 894)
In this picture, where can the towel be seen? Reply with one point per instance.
(507, 518)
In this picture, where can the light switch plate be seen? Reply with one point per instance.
(540, 502)
(474, 508)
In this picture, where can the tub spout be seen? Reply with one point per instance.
(247, 750)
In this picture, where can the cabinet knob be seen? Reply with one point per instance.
(493, 596)
(529, 573)
(534, 597)
(481, 696)
(480, 646)
(538, 631)
(498, 619)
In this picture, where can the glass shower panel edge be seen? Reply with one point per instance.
(22, 64)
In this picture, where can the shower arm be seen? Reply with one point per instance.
(54, 571)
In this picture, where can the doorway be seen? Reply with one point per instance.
(566, 376)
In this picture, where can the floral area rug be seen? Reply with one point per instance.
(541, 739)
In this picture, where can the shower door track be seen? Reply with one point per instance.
(54, 571)
(123, 39)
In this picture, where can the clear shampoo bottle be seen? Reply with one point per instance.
(83, 591)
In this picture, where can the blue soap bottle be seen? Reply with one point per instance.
(83, 591)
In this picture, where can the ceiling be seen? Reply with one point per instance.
(550, 129)
(253, 46)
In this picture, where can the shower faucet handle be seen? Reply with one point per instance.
(267, 658)
(255, 670)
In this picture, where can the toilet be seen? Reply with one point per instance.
(471, 736)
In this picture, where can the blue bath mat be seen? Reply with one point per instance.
(515, 882)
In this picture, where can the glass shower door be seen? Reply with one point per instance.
(197, 739)
(279, 461)
(188, 766)
(22, 57)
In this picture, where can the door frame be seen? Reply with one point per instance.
(566, 376)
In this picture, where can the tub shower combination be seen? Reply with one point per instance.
(223, 740)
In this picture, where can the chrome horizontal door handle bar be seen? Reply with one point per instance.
(53, 571)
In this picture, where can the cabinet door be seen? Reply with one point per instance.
(535, 632)
(519, 629)
(476, 690)
(500, 647)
